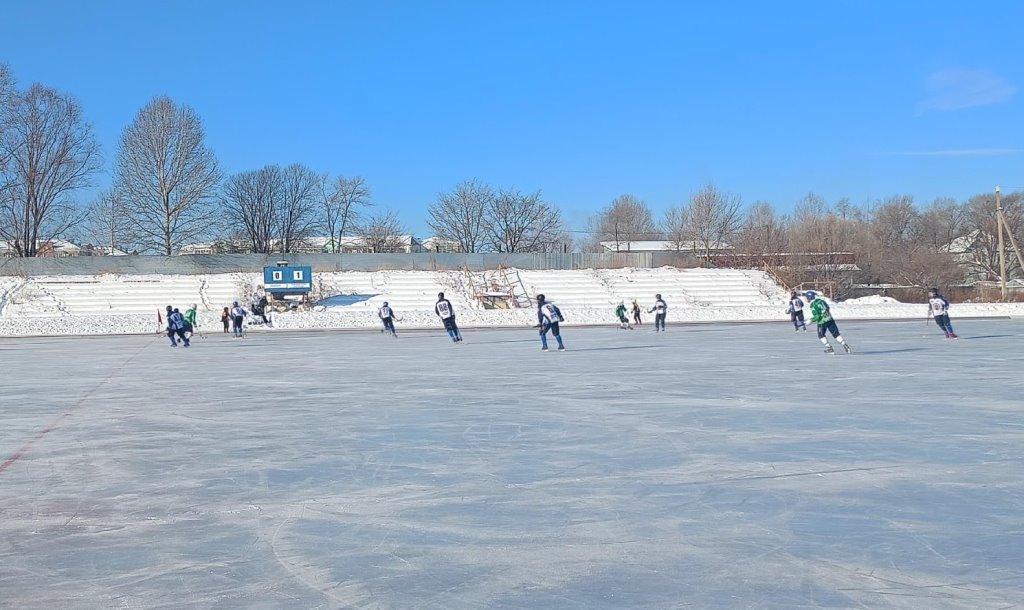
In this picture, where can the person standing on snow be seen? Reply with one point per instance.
(938, 308)
(620, 313)
(548, 317)
(446, 312)
(237, 319)
(176, 327)
(660, 309)
(795, 309)
(821, 315)
(387, 315)
(636, 313)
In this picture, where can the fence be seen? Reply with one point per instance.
(201, 264)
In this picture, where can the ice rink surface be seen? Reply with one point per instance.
(712, 466)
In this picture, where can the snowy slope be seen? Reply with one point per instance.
(55, 305)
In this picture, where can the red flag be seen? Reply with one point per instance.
(159, 318)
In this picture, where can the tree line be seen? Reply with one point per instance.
(168, 190)
(891, 240)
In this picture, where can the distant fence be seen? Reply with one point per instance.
(200, 264)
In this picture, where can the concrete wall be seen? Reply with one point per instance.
(202, 264)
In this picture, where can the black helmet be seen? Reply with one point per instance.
(540, 298)
(933, 290)
(657, 296)
(440, 295)
(169, 308)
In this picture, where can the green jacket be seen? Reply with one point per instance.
(620, 311)
(820, 313)
(190, 315)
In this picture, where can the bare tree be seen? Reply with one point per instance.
(676, 227)
(341, 203)
(983, 258)
(522, 223)
(763, 231)
(626, 219)
(107, 222)
(714, 218)
(942, 222)
(459, 216)
(252, 198)
(382, 232)
(47, 152)
(295, 216)
(167, 175)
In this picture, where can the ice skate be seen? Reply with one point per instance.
(846, 346)
(561, 348)
(829, 350)
(953, 336)
(544, 349)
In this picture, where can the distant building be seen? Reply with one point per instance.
(354, 244)
(439, 245)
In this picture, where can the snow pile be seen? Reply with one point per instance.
(873, 299)
(116, 304)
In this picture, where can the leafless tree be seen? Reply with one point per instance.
(107, 222)
(624, 220)
(341, 204)
(167, 175)
(714, 218)
(763, 231)
(518, 222)
(382, 232)
(295, 217)
(47, 152)
(459, 215)
(676, 228)
(942, 222)
(251, 197)
(983, 258)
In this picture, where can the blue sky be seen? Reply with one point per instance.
(582, 100)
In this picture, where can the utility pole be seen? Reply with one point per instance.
(1002, 249)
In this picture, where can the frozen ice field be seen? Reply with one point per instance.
(712, 466)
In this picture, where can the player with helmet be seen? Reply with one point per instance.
(938, 309)
(821, 315)
(387, 316)
(548, 317)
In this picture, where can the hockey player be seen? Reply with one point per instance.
(548, 317)
(620, 313)
(190, 320)
(237, 319)
(636, 313)
(446, 312)
(176, 327)
(938, 308)
(795, 309)
(822, 316)
(387, 315)
(660, 309)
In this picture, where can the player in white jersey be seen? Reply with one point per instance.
(938, 309)
(548, 317)
(387, 316)
(446, 312)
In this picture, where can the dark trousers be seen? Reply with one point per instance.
(943, 321)
(829, 326)
(798, 318)
(659, 321)
(389, 325)
(452, 328)
(636, 317)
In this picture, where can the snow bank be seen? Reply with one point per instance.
(129, 304)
